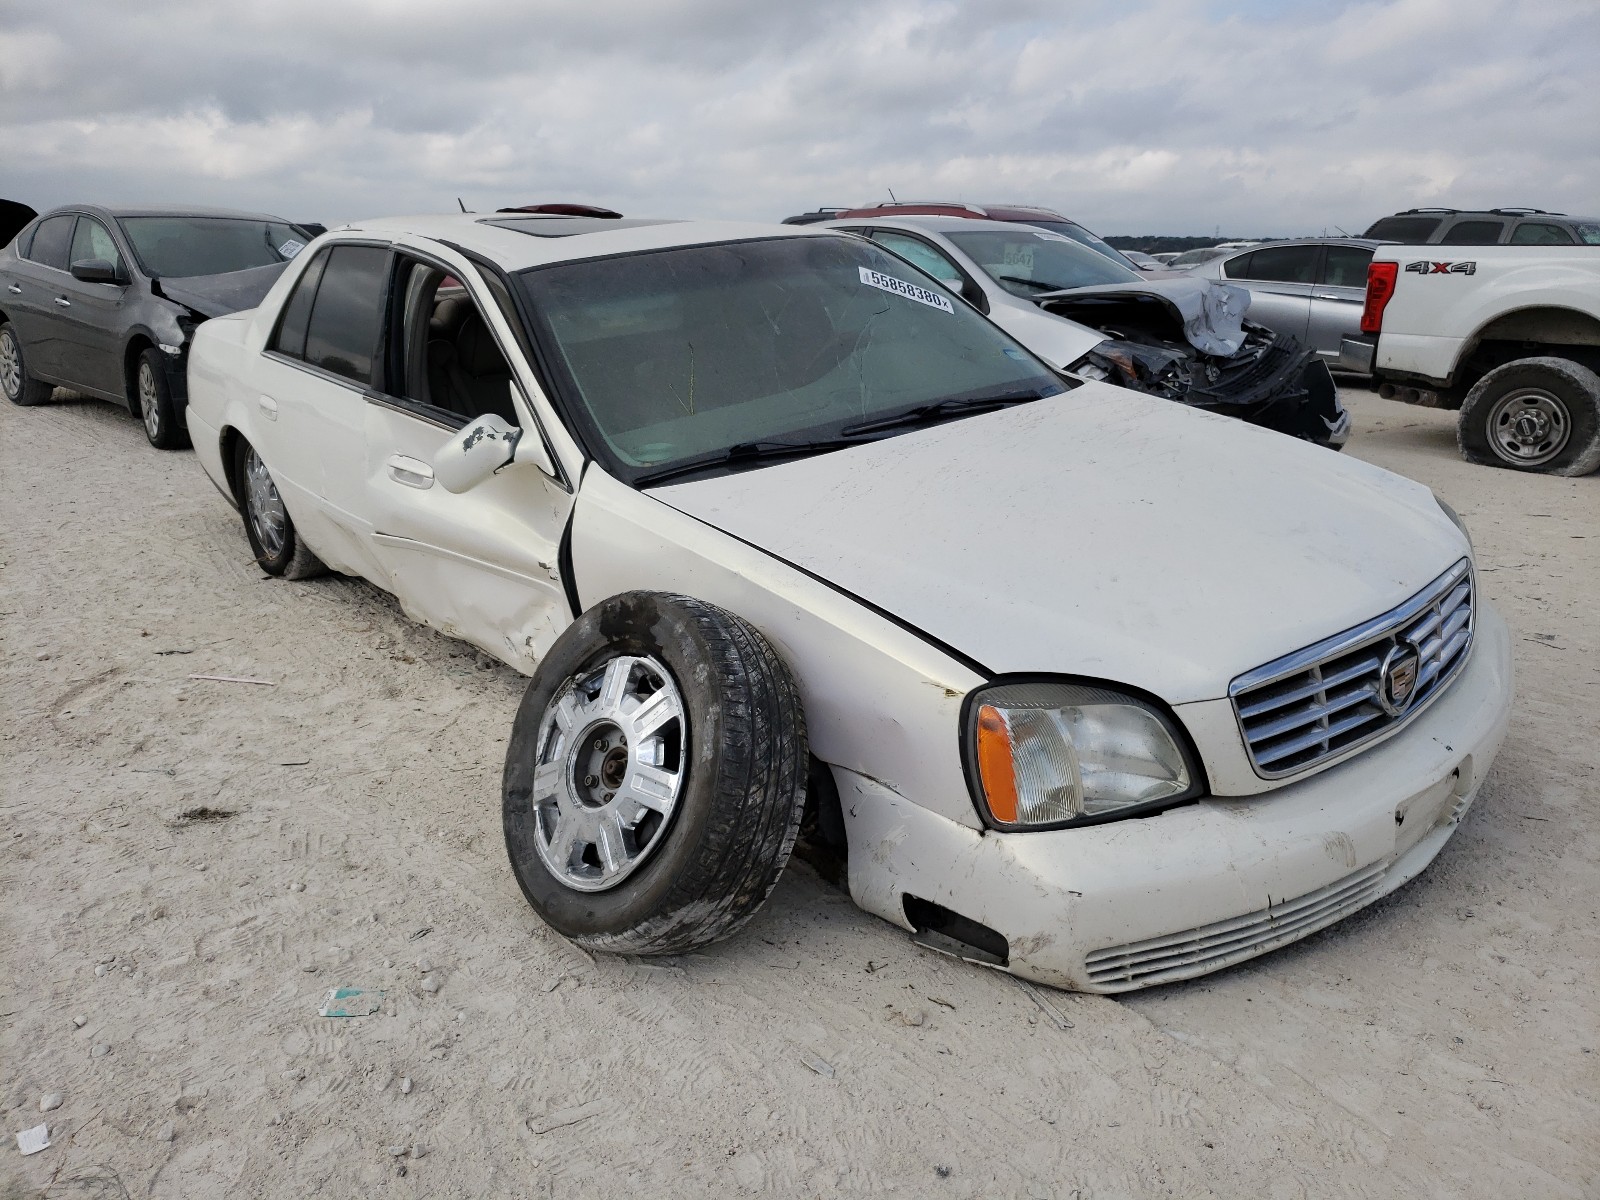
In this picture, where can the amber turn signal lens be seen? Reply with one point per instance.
(995, 767)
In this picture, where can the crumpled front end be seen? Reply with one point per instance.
(1269, 380)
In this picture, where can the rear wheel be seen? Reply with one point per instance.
(656, 776)
(14, 379)
(153, 403)
(273, 538)
(1534, 414)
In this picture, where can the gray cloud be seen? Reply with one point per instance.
(1155, 116)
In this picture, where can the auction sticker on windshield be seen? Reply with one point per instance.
(900, 287)
(290, 248)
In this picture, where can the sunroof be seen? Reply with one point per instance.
(553, 226)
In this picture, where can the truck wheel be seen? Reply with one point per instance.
(655, 777)
(14, 379)
(1534, 414)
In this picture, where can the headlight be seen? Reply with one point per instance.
(1456, 517)
(1050, 754)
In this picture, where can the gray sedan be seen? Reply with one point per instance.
(1312, 289)
(103, 301)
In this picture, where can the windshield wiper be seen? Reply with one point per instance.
(744, 452)
(1037, 283)
(942, 410)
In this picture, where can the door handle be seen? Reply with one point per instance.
(412, 472)
(269, 407)
(14, 290)
(1325, 296)
(64, 302)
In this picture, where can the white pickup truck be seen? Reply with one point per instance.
(1510, 335)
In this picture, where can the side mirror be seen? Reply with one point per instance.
(486, 444)
(96, 270)
(477, 452)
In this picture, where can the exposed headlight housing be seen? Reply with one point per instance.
(1456, 518)
(1042, 755)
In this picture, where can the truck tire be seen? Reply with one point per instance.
(655, 777)
(1534, 414)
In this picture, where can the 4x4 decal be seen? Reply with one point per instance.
(1443, 268)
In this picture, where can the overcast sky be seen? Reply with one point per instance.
(1139, 116)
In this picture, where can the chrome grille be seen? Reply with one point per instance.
(1320, 702)
(1222, 943)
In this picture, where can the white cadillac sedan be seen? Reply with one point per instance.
(1087, 685)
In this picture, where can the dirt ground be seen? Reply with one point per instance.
(163, 972)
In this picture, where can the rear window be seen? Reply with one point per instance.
(1346, 266)
(1540, 233)
(1473, 233)
(50, 241)
(1404, 229)
(347, 315)
(1278, 264)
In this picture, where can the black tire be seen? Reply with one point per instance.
(151, 402)
(744, 758)
(286, 555)
(1534, 414)
(20, 387)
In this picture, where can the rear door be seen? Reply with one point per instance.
(1280, 279)
(319, 364)
(482, 565)
(30, 298)
(1337, 299)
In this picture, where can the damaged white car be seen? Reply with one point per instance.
(1088, 685)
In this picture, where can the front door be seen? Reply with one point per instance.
(91, 319)
(482, 565)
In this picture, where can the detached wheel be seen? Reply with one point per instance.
(273, 538)
(153, 398)
(18, 386)
(656, 776)
(1535, 414)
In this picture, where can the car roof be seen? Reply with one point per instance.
(1363, 242)
(515, 241)
(931, 222)
(1009, 213)
(153, 210)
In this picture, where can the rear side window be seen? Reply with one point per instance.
(1473, 233)
(291, 335)
(922, 255)
(347, 316)
(1540, 233)
(1411, 230)
(1589, 235)
(1281, 264)
(51, 240)
(1346, 266)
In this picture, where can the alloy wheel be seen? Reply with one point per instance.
(10, 365)
(1529, 427)
(610, 770)
(269, 520)
(149, 401)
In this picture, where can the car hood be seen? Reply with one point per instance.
(219, 295)
(1212, 314)
(1099, 533)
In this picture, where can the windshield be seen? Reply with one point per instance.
(181, 246)
(1083, 237)
(1029, 261)
(674, 355)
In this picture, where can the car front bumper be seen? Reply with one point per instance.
(1119, 906)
